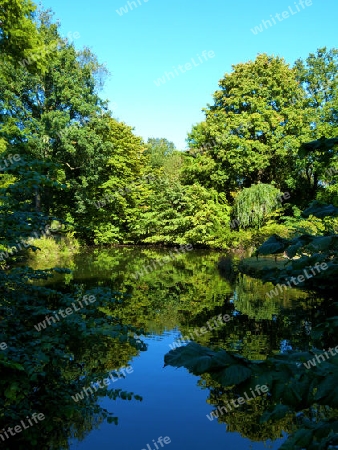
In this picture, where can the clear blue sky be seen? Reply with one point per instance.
(156, 36)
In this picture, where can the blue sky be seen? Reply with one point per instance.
(147, 39)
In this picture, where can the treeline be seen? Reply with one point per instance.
(100, 180)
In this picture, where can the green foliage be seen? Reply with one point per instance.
(319, 79)
(158, 151)
(52, 250)
(254, 127)
(120, 184)
(42, 370)
(253, 204)
(19, 37)
(319, 161)
(178, 214)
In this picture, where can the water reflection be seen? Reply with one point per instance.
(169, 303)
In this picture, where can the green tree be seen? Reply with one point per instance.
(59, 117)
(19, 37)
(159, 149)
(41, 370)
(318, 76)
(123, 179)
(253, 130)
(178, 214)
(253, 205)
(320, 161)
(254, 127)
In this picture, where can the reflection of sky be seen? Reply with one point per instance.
(232, 300)
(173, 405)
(285, 346)
(234, 297)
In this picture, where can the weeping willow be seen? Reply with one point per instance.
(254, 203)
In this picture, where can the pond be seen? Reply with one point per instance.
(188, 297)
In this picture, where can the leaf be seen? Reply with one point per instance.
(112, 420)
(233, 375)
(191, 357)
(279, 412)
(327, 392)
(303, 438)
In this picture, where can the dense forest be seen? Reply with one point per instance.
(259, 177)
(106, 186)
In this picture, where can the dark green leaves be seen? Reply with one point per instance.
(192, 357)
(233, 375)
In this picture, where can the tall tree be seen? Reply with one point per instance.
(318, 75)
(58, 117)
(253, 130)
(42, 368)
(112, 203)
(19, 37)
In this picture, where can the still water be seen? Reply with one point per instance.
(172, 301)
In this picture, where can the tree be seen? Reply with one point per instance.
(178, 214)
(123, 178)
(159, 149)
(19, 37)
(320, 162)
(58, 117)
(253, 130)
(253, 204)
(41, 370)
(318, 76)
